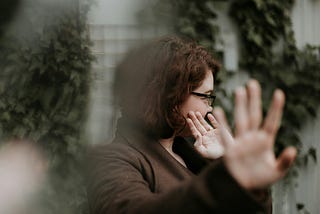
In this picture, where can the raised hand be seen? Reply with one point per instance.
(251, 160)
(208, 138)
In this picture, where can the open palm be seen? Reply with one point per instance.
(251, 160)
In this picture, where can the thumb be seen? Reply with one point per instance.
(286, 159)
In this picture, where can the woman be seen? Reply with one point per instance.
(164, 90)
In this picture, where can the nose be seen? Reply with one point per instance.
(210, 108)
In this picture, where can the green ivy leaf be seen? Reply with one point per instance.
(313, 153)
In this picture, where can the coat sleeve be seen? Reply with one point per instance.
(116, 184)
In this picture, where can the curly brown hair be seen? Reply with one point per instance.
(154, 80)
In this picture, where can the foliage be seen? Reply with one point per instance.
(7, 10)
(177, 15)
(44, 81)
(200, 26)
(265, 26)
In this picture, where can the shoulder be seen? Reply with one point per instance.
(113, 151)
(118, 153)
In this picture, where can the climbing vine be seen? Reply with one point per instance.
(265, 26)
(44, 87)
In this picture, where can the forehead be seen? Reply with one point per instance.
(207, 83)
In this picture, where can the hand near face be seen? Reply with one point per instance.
(208, 138)
(251, 160)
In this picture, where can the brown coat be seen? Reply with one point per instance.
(135, 174)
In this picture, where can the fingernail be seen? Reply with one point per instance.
(240, 91)
(279, 96)
(279, 93)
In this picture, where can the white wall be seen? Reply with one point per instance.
(306, 22)
(229, 40)
(306, 26)
(308, 189)
(116, 12)
(114, 28)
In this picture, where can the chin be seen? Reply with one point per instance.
(185, 132)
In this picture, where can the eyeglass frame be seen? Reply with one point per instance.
(209, 97)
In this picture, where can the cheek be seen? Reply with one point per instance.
(191, 105)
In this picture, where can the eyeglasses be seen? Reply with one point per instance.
(209, 97)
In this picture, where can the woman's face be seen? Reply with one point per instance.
(196, 103)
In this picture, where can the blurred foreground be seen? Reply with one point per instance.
(22, 174)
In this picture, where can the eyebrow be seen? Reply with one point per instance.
(210, 91)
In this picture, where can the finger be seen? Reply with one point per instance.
(241, 112)
(213, 121)
(226, 139)
(197, 123)
(194, 131)
(286, 159)
(203, 122)
(273, 119)
(255, 110)
(221, 118)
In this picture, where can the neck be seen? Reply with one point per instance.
(167, 144)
